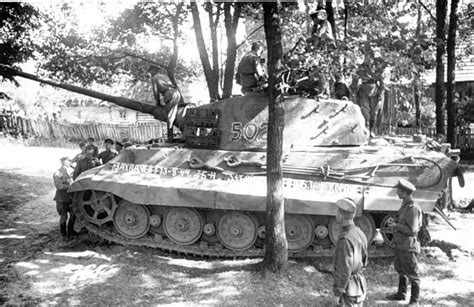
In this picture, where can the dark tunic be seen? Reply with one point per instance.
(83, 165)
(106, 156)
(405, 233)
(341, 90)
(349, 261)
(96, 150)
(248, 71)
(405, 239)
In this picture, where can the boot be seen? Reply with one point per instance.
(62, 227)
(415, 293)
(70, 226)
(402, 290)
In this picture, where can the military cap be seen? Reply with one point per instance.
(109, 141)
(347, 207)
(346, 204)
(64, 159)
(315, 14)
(405, 184)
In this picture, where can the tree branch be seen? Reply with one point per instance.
(118, 57)
(427, 10)
(248, 36)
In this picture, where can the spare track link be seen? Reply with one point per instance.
(209, 251)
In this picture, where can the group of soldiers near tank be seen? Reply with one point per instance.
(70, 169)
(351, 254)
(366, 84)
(350, 286)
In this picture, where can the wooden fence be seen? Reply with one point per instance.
(428, 131)
(136, 133)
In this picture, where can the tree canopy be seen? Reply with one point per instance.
(399, 35)
(17, 22)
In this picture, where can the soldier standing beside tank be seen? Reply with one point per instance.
(250, 72)
(118, 146)
(107, 154)
(62, 181)
(162, 85)
(406, 244)
(80, 155)
(350, 258)
(90, 142)
(87, 162)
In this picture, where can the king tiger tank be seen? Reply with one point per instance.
(206, 196)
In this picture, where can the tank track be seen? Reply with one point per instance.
(204, 250)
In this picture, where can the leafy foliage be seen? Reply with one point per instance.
(17, 20)
(104, 55)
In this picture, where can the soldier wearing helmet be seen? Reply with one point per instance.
(350, 258)
(406, 243)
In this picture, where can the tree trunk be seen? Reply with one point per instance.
(231, 22)
(276, 252)
(441, 11)
(331, 18)
(416, 79)
(346, 17)
(171, 68)
(212, 82)
(416, 95)
(451, 84)
(215, 48)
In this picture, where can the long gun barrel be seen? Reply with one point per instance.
(120, 101)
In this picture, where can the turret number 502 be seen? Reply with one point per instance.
(249, 131)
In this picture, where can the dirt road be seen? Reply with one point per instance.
(36, 267)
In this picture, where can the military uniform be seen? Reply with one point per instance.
(96, 150)
(62, 180)
(249, 72)
(83, 165)
(162, 84)
(350, 259)
(368, 96)
(106, 156)
(407, 246)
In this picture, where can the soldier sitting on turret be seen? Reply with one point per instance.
(321, 32)
(162, 85)
(341, 90)
(249, 72)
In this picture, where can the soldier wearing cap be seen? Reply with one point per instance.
(163, 86)
(350, 258)
(62, 180)
(107, 154)
(86, 163)
(118, 146)
(321, 26)
(249, 71)
(406, 244)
